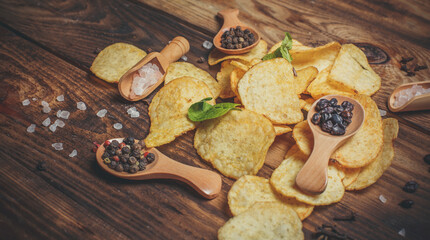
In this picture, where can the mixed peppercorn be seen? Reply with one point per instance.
(128, 156)
(235, 38)
(333, 118)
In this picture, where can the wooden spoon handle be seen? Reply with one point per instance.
(230, 17)
(177, 48)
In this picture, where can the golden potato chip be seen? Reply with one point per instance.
(265, 220)
(297, 46)
(360, 149)
(184, 69)
(115, 60)
(268, 88)
(168, 110)
(304, 77)
(223, 77)
(321, 87)
(372, 172)
(352, 71)
(351, 175)
(321, 57)
(257, 52)
(306, 104)
(281, 129)
(248, 190)
(237, 143)
(241, 64)
(235, 76)
(255, 61)
(283, 180)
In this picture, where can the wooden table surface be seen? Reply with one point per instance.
(46, 50)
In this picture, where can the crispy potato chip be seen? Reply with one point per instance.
(321, 87)
(223, 77)
(282, 129)
(257, 52)
(237, 143)
(241, 64)
(265, 220)
(115, 60)
(268, 88)
(283, 180)
(168, 110)
(351, 175)
(352, 71)
(306, 104)
(184, 69)
(235, 76)
(360, 149)
(372, 172)
(255, 61)
(321, 57)
(304, 77)
(248, 190)
(297, 46)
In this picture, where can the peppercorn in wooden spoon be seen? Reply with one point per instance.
(206, 183)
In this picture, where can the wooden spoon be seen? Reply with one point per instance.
(206, 183)
(312, 178)
(416, 103)
(231, 19)
(171, 53)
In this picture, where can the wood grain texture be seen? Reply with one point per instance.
(46, 49)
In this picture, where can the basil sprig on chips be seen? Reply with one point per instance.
(202, 110)
(282, 51)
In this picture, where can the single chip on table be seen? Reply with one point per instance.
(115, 60)
(304, 77)
(297, 47)
(320, 57)
(235, 76)
(358, 151)
(169, 108)
(265, 220)
(282, 129)
(237, 143)
(223, 77)
(321, 86)
(248, 190)
(283, 180)
(352, 71)
(268, 88)
(185, 69)
(372, 172)
(257, 52)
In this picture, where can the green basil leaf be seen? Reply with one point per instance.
(282, 51)
(202, 110)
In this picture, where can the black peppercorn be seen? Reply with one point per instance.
(132, 160)
(126, 150)
(150, 157)
(427, 158)
(126, 167)
(133, 169)
(114, 144)
(129, 141)
(119, 168)
(105, 155)
(410, 187)
(406, 203)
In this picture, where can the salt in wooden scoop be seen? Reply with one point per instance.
(206, 183)
(312, 178)
(421, 102)
(231, 20)
(171, 53)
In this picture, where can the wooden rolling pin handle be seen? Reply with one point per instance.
(177, 48)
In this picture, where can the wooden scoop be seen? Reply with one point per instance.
(416, 103)
(171, 53)
(206, 183)
(312, 178)
(230, 17)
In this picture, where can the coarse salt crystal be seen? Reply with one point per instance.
(46, 122)
(184, 58)
(73, 153)
(45, 104)
(25, 102)
(145, 77)
(59, 113)
(208, 45)
(382, 198)
(101, 113)
(64, 114)
(34, 99)
(31, 128)
(403, 96)
(46, 109)
(131, 110)
(60, 98)
(402, 232)
(53, 127)
(135, 114)
(117, 126)
(59, 123)
(57, 146)
(81, 106)
(382, 112)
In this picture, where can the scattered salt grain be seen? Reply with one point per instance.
(59, 113)
(53, 127)
(59, 123)
(135, 114)
(382, 198)
(73, 153)
(31, 128)
(81, 106)
(184, 58)
(57, 146)
(403, 96)
(117, 126)
(45, 104)
(46, 122)
(145, 77)
(60, 98)
(131, 110)
(402, 232)
(46, 109)
(382, 112)
(34, 99)
(101, 113)
(208, 45)
(25, 102)
(63, 114)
